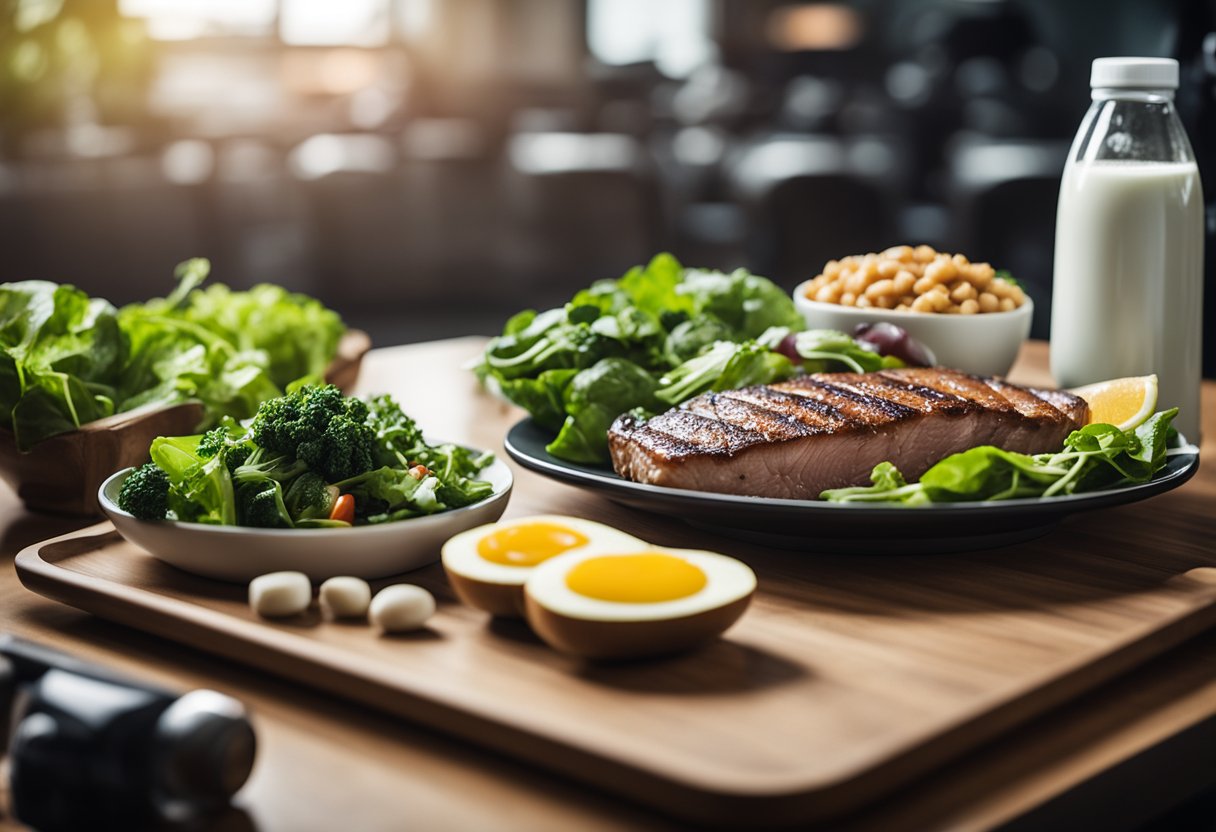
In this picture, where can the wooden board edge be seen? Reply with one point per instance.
(1038, 701)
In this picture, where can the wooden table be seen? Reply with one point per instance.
(1109, 760)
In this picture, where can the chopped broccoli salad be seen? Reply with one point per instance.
(313, 458)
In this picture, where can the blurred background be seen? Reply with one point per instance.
(428, 167)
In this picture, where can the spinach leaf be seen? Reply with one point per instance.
(689, 338)
(1096, 456)
(747, 303)
(543, 396)
(593, 399)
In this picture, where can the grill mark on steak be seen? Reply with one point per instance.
(815, 414)
(774, 425)
(706, 434)
(958, 385)
(858, 408)
(1029, 404)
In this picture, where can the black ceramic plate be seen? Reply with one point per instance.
(841, 527)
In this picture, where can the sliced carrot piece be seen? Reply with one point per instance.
(344, 509)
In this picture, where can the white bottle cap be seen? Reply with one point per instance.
(1138, 73)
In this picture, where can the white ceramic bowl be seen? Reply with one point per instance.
(985, 344)
(236, 553)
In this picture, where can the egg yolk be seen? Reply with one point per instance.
(528, 544)
(646, 578)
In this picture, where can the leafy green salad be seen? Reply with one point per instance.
(1094, 457)
(650, 340)
(312, 458)
(67, 359)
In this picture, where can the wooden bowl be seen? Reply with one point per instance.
(61, 475)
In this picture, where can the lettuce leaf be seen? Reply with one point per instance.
(60, 353)
(67, 359)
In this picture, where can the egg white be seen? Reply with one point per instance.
(726, 581)
(460, 553)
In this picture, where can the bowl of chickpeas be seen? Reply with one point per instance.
(972, 317)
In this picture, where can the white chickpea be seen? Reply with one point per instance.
(964, 291)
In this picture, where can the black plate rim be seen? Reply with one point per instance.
(1181, 467)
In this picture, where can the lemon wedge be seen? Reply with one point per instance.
(1123, 402)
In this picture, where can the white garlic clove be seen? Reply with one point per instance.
(402, 607)
(280, 594)
(346, 597)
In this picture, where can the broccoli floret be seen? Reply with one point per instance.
(213, 441)
(230, 441)
(309, 497)
(320, 426)
(145, 493)
(262, 507)
(237, 455)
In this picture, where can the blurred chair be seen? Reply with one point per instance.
(358, 210)
(115, 227)
(1003, 206)
(451, 175)
(256, 217)
(582, 206)
(810, 199)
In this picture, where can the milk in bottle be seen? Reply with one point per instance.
(1128, 279)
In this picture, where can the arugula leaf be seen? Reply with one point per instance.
(819, 348)
(397, 435)
(550, 342)
(724, 366)
(658, 288)
(887, 485)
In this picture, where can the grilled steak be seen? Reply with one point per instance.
(800, 437)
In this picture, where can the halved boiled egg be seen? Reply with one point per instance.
(631, 604)
(487, 566)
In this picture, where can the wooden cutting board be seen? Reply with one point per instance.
(848, 676)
